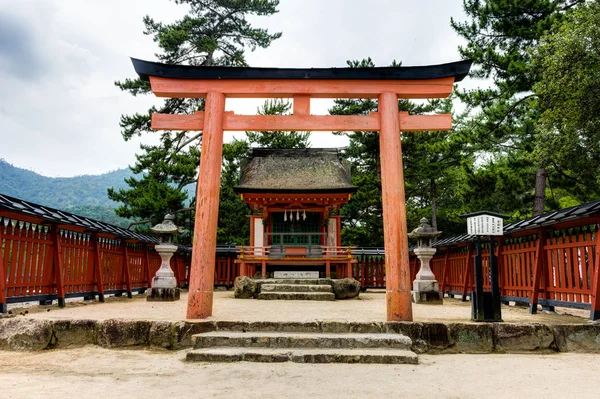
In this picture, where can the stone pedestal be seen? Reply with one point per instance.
(164, 284)
(425, 287)
(163, 295)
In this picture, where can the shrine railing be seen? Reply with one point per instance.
(548, 260)
(557, 267)
(295, 239)
(47, 254)
(281, 252)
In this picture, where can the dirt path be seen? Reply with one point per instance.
(370, 306)
(97, 372)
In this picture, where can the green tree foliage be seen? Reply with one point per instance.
(501, 183)
(501, 36)
(213, 32)
(277, 106)
(432, 168)
(567, 66)
(234, 224)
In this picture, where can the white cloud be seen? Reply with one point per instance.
(59, 108)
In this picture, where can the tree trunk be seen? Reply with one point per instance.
(433, 204)
(540, 191)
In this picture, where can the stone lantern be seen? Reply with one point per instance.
(425, 286)
(164, 284)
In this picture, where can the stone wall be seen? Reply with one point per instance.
(19, 333)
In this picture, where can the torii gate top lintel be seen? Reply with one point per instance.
(458, 70)
(386, 84)
(175, 81)
(184, 81)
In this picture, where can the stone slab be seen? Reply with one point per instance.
(578, 338)
(427, 297)
(164, 282)
(425, 285)
(295, 288)
(313, 281)
(115, 333)
(281, 274)
(271, 355)
(300, 340)
(470, 338)
(24, 334)
(297, 296)
(513, 338)
(163, 294)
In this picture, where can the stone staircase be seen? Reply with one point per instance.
(296, 289)
(261, 346)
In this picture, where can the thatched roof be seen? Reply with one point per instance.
(297, 170)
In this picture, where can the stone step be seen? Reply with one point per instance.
(300, 340)
(295, 288)
(302, 281)
(300, 296)
(274, 355)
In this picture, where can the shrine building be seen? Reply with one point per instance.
(295, 196)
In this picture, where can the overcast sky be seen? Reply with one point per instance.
(59, 108)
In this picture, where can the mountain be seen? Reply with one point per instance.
(83, 195)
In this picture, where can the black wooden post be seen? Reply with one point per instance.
(477, 302)
(486, 306)
(494, 277)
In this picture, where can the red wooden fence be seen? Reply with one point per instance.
(551, 265)
(557, 266)
(46, 262)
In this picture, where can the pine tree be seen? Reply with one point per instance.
(213, 32)
(501, 36)
(567, 67)
(277, 106)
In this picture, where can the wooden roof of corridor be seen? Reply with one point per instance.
(45, 215)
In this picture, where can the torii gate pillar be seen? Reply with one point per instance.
(385, 84)
(397, 271)
(202, 275)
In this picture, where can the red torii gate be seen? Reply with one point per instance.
(386, 84)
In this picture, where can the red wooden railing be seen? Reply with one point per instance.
(553, 265)
(550, 267)
(563, 261)
(41, 263)
(370, 269)
(226, 270)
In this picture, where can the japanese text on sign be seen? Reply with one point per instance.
(485, 225)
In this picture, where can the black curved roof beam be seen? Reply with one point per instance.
(458, 70)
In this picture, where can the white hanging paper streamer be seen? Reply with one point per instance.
(285, 215)
(297, 214)
(304, 215)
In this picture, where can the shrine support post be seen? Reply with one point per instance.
(397, 282)
(202, 269)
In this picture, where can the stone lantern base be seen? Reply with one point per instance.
(427, 292)
(163, 294)
(164, 284)
(425, 287)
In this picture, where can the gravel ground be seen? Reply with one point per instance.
(370, 306)
(96, 372)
